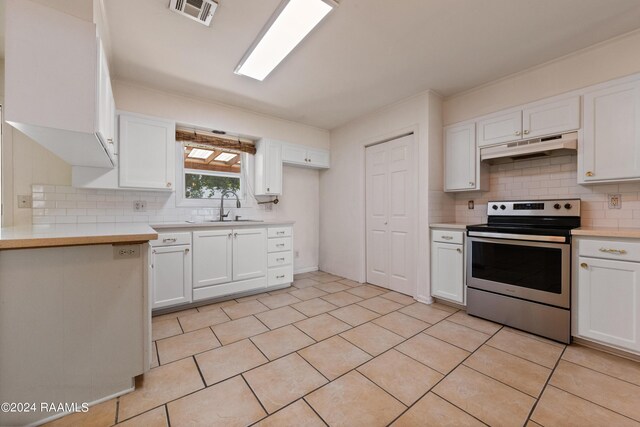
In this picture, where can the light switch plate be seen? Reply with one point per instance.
(615, 201)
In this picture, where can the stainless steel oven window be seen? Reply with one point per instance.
(561, 299)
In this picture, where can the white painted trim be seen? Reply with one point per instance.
(305, 270)
(95, 402)
(424, 300)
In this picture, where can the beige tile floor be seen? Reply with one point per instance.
(330, 351)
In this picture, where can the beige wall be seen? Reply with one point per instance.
(608, 60)
(342, 188)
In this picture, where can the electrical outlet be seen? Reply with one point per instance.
(140, 206)
(25, 201)
(268, 207)
(470, 204)
(129, 251)
(615, 201)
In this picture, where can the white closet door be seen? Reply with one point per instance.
(390, 213)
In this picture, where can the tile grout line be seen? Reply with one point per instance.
(442, 379)
(254, 395)
(546, 383)
(600, 372)
(166, 412)
(515, 355)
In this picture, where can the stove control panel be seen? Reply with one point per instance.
(566, 207)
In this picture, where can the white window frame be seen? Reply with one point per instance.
(214, 202)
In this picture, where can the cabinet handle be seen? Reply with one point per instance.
(268, 189)
(584, 265)
(186, 251)
(169, 240)
(279, 259)
(280, 245)
(517, 133)
(459, 250)
(471, 184)
(589, 173)
(614, 251)
(280, 277)
(235, 235)
(168, 185)
(229, 235)
(447, 237)
(154, 251)
(280, 232)
(526, 132)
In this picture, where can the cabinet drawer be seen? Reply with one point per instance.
(610, 249)
(170, 239)
(279, 232)
(280, 244)
(447, 236)
(280, 276)
(277, 259)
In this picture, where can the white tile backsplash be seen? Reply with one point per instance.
(68, 205)
(551, 178)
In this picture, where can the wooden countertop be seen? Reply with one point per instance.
(42, 236)
(629, 233)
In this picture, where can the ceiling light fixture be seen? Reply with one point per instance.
(287, 27)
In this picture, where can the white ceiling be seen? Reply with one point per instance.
(366, 54)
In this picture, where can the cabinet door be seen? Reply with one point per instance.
(609, 302)
(171, 275)
(212, 257)
(274, 169)
(105, 111)
(147, 152)
(551, 118)
(318, 158)
(447, 271)
(460, 158)
(249, 253)
(500, 128)
(294, 154)
(611, 143)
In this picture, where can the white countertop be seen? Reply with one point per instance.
(221, 224)
(48, 235)
(455, 226)
(629, 233)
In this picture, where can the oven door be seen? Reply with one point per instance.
(531, 270)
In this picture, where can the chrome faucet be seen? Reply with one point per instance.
(224, 194)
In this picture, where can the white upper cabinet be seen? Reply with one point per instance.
(147, 152)
(268, 168)
(58, 90)
(610, 147)
(551, 117)
(299, 155)
(498, 128)
(548, 117)
(461, 165)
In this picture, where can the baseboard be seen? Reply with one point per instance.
(95, 402)
(607, 349)
(305, 270)
(424, 299)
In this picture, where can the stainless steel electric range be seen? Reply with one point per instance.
(519, 266)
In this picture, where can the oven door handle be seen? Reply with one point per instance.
(511, 236)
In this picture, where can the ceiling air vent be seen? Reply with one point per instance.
(198, 10)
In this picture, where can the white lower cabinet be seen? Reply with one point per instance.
(212, 257)
(447, 265)
(280, 256)
(249, 253)
(608, 302)
(171, 270)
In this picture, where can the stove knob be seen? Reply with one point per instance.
(556, 206)
(494, 207)
(567, 206)
(503, 207)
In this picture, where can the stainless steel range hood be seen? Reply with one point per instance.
(556, 145)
